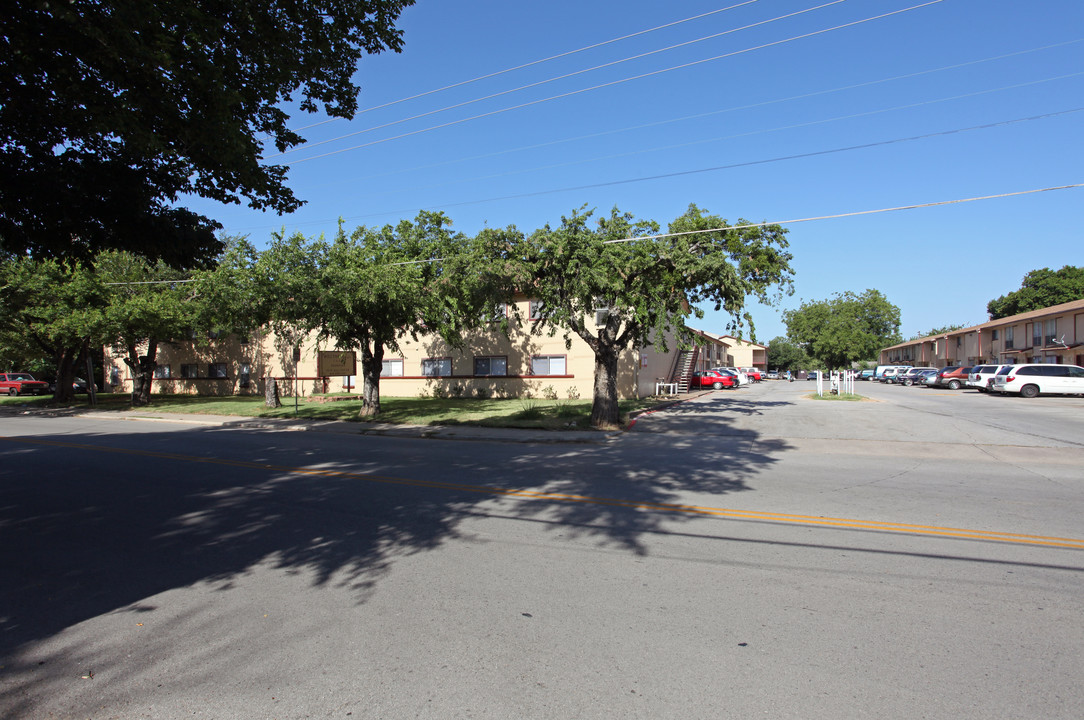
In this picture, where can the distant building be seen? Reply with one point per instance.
(1051, 335)
(490, 364)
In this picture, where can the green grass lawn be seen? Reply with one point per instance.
(514, 413)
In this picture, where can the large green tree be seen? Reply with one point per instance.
(1040, 289)
(144, 309)
(53, 310)
(845, 328)
(368, 290)
(784, 354)
(642, 286)
(112, 110)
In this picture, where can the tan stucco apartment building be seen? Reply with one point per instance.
(1051, 335)
(490, 364)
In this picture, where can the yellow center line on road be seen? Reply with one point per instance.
(732, 513)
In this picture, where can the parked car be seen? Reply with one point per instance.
(773, 375)
(892, 375)
(1045, 379)
(22, 384)
(953, 377)
(79, 385)
(743, 379)
(924, 376)
(865, 375)
(753, 373)
(981, 376)
(879, 371)
(909, 377)
(713, 379)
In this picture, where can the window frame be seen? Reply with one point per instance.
(189, 371)
(392, 362)
(218, 371)
(442, 360)
(489, 361)
(549, 359)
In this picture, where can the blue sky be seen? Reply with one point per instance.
(761, 123)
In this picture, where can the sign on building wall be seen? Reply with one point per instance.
(330, 363)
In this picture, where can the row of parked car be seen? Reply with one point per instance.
(724, 377)
(21, 383)
(1029, 379)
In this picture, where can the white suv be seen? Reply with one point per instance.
(982, 376)
(1046, 379)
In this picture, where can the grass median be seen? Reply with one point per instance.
(533, 413)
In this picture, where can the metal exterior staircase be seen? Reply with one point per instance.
(684, 362)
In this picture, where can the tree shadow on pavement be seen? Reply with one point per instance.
(92, 524)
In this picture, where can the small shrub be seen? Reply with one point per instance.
(573, 394)
(457, 390)
(530, 410)
(549, 393)
(481, 393)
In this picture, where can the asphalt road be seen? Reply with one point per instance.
(749, 553)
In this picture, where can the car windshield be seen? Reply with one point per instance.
(20, 376)
(1005, 370)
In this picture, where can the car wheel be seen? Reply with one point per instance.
(12, 392)
(1029, 391)
(716, 386)
(907, 383)
(954, 384)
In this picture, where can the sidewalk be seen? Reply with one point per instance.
(436, 432)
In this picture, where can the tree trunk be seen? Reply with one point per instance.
(142, 368)
(371, 366)
(65, 376)
(271, 393)
(605, 413)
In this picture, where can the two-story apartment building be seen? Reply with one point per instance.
(489, 364)
(1051, 335)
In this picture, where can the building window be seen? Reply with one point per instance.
(490, 366)
(1051, 332)
(244, 377)
(437, 367)
(548, 365)
(602, 311)
(1008, 338)
(190, 371)
(536, 310)
(500, 312)
(162, 372)
(216, 370)
(392, 368)
(993, 334)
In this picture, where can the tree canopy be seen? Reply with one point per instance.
(845, 328)
(1040, 289)
(369, 289)
(784, 354)
(111, 112)
(617, 284)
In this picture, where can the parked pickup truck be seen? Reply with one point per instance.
(22, 384)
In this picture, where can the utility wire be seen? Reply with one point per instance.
(740, 227)
(798, 156)
(698, 116)
(761, 131)
(547, 81)
(537, 62)
(614, 82)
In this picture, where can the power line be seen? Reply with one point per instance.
(614, 82)
(761, 131)
(852, 214)
(549, 80)
(766, 161)
(538, 62)
(698, 116)
(808, 219)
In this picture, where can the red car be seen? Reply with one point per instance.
(22, 384)
(711, 378)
